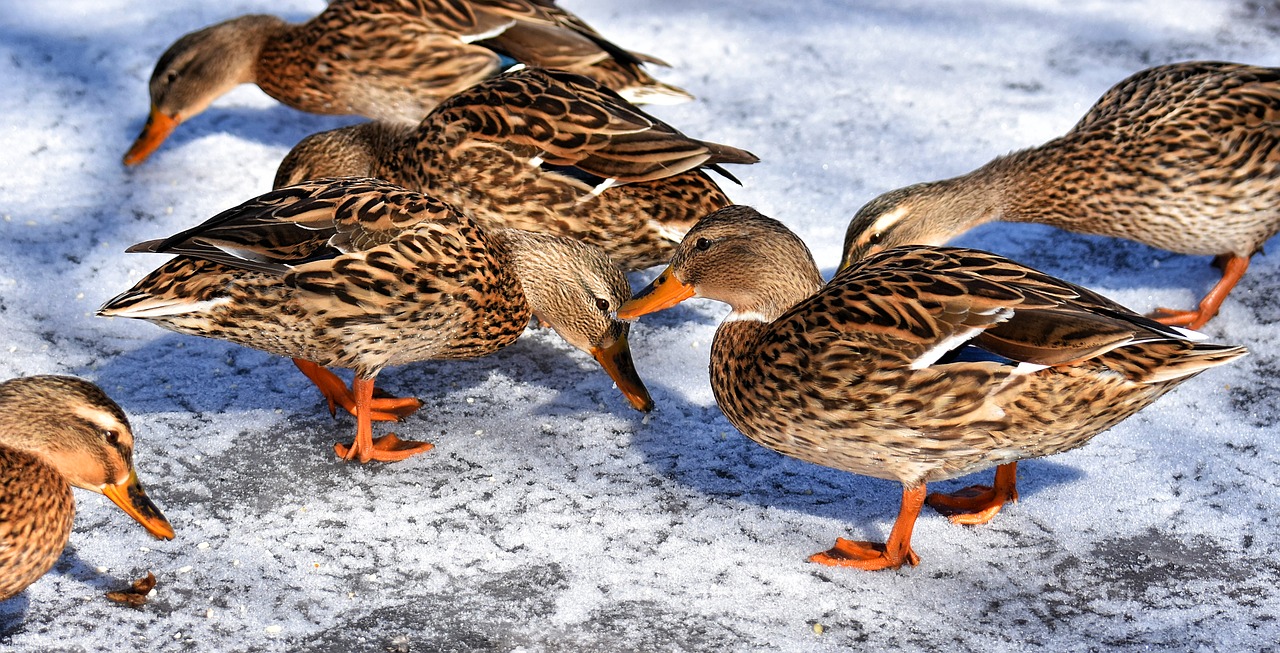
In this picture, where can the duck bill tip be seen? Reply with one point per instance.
(616, 361)
(662, 293)
(133, 500)
(159, 126)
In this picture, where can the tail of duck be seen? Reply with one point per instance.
(1178, 361)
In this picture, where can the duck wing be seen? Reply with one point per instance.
(565, 119)
(313, 221)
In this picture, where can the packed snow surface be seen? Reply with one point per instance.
(553, 517)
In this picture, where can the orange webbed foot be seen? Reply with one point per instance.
(871, 556)
(388, 448)
(384, 407)
(978, 504)
(390, 408)
(1233, 269)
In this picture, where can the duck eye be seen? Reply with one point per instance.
(112, 436)
(602, 304)
(875, 238)
(703, 244)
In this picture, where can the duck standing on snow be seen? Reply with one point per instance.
(56, 432)
(384, 59)
(874, 373)
(1183, 157)
(362, 274)
(540, 150)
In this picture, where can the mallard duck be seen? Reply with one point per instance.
(362, 274)
(55, 432)
(1183, 157)
(917, 364)
(385, 59)
(541, 150)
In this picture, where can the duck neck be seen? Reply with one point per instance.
(529, 262)
(769, 281)
(283, 54)
(757, 303)
(1017, 187)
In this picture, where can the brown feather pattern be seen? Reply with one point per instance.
(833, 374)
(55, 432)
(389, 59)
(401, 278)
(363, 274)
(481, 149)
(1183, 157)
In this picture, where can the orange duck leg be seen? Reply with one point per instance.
(387, 448)
(874, 555)
(1233, 268)
(385, 408)
(978, 504)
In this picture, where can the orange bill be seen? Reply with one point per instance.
(133, 500)
(616, 360)
(158, 128)
(664, 292)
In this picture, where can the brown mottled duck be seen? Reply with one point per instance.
(917, 364)
(384, 59)
(57, 432)
(362, 274)
(540, 150)
(1183, 157)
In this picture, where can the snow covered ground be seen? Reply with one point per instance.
(552, 517)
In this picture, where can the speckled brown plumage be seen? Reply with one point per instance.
(1184, 157)
(55, 432)
(533, 150)
(390, 60)
(362, 274)
(874, 372)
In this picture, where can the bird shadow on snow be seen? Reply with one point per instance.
(13, 615)
(188, 373)
(276, 125)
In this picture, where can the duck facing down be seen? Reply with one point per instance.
(362, 274)
(1183, 157)
(57, 432)
(874, 372)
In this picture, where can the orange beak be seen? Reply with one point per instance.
(664, 292)
(616, 360)
(133, 500)
(158, 128)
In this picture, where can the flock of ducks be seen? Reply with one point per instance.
(507, 176)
